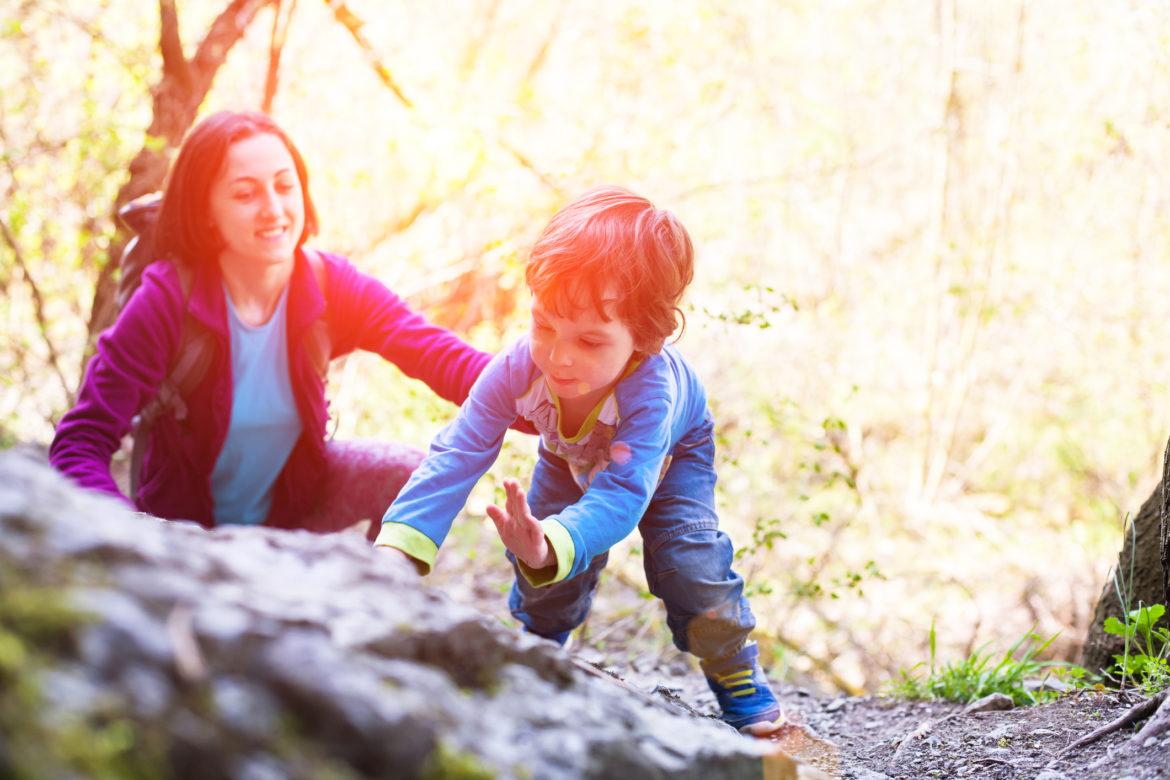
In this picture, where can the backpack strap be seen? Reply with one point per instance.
(190, 364)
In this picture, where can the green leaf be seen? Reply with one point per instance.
(1117, 628)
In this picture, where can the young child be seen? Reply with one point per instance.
(626, 440)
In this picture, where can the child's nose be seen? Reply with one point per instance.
(559, 355)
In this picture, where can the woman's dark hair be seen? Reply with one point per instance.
(185, 229)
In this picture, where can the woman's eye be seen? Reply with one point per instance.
(285, 186)
(242, 195)
(590, 344)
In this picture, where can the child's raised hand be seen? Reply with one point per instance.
(519, 530)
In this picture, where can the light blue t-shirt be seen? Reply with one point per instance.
(264, 424)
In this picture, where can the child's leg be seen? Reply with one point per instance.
(554, 610)
(688, 565)
(361, 479)
(688, 559)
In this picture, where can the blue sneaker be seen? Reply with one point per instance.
(741, 688)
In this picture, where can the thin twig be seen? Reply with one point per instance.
(354, 24)
(351, 22)
(1133, 715)
(38, 308)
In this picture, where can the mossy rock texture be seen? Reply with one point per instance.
(136, 647)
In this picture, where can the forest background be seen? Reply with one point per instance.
(930, 245)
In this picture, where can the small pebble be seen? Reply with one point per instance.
(998, 733)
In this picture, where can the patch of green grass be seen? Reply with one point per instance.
(1147, 646)
(984, 672)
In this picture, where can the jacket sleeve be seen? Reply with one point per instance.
(365, 314)
(420, 518)
(125, 373)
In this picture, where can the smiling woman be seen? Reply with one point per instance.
(245, 442)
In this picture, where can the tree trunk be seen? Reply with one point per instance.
(1145, 548)
(176, 100)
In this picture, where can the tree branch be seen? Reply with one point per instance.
(224, 33)
(281, 18)
(38, 308)
(177, 98)
(170, 43)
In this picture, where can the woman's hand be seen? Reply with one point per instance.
(519, 530)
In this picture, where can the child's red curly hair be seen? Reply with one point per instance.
(610, 245)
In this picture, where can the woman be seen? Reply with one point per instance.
(246, 444)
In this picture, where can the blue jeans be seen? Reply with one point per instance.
(686, 557)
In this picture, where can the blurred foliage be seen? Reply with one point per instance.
(930, 245)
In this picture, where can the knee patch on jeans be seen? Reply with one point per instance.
(721, 630)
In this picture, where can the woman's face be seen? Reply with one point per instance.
(256, 203)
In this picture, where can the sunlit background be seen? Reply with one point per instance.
(931, 254)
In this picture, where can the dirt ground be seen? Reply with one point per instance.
(876, 738)
(861, 738)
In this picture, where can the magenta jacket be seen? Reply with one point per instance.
(134, 357)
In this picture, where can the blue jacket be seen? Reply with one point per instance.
(617, 458)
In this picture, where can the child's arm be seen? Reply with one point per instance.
(615, 500)
(520, 531)
(419, 519)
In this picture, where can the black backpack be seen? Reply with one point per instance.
(196, 350)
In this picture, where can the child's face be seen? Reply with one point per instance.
(581, 356)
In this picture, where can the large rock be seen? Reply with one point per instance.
(131, 646)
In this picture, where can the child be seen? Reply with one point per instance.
(626, 440)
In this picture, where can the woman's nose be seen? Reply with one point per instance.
(270, 204)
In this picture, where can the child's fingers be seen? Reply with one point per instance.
(516, 501)
(519, 508)
(498, 517)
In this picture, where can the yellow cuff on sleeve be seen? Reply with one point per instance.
(411, 541)
(562, 547)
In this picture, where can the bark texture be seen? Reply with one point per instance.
(1144, 553)
(184, 83)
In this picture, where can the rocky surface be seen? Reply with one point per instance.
(130, 646)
